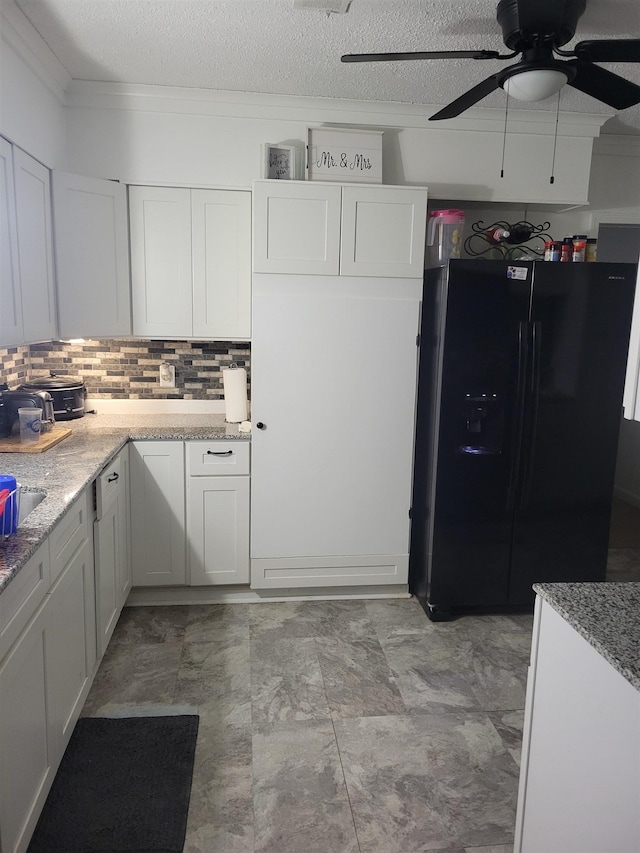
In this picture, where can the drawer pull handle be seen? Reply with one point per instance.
(220, 452)
(113, 478)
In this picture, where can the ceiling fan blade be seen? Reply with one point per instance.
(429, 54)
(468, 99)
(605, 86)
(608, 50)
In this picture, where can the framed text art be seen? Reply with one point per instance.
(280, 162)
(336, 154)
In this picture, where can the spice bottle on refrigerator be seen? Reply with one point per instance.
(566, 250)
(579, 247)
(592, 249)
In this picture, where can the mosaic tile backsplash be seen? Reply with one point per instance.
(130, 369)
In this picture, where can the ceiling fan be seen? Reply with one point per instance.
(537, 29)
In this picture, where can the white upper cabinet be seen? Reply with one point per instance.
(35, 248)
(160, 223)
(221, 245)
(383, 231)
(314, 228)
(296, 227)
(190, 262)
(10, 302)
(92, 256)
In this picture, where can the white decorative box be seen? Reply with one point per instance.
(336, 154)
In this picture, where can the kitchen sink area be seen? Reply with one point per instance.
(29, 499)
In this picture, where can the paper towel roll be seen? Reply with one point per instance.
(234, 381)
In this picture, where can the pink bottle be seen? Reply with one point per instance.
(444, 236)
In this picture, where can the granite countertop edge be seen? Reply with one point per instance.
(606, 615)
(67, 468)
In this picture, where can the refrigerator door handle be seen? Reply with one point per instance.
(521, 393)
(534, 394)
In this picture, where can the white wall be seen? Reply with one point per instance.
(151, 134)
(615, 195)
(32, 83)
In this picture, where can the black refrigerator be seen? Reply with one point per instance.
(522, 368)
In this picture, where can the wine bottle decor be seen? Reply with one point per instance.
(504, 241)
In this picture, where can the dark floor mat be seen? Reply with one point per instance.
(123, 787)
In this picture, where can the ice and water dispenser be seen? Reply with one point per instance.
(481, 425)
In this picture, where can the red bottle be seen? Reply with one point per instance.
(496, 235)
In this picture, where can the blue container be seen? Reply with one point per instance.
(8, 505)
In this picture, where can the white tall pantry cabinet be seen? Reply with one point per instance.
(336, 304)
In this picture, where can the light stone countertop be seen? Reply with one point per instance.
(607, 615)
(66, 469)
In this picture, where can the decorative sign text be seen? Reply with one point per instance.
(336, 154)
(350, 162)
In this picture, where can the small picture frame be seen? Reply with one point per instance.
(280, 162)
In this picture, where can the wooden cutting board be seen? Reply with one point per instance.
(46, 440)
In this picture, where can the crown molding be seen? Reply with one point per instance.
(374, 114)
(24, 39)
(617, 145)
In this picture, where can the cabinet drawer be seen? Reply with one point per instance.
(107, 486)
(23, 596)
(209, 458)
(69, 534)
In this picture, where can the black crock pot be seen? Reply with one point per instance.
(68, 393)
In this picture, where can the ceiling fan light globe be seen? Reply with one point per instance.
(536, 84)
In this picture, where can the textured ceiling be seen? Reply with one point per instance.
(274, 46)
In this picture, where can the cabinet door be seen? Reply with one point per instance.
(71, 646)
(221, 242)
(124, 523)
(218, 528)
(580, 772)
(108, 547)
(383, 231)
(158, 540)
(35, 248)
(26, 756)
(92, 256)
(160, 222)
(341, 491)
(296, 227)
(11, 332)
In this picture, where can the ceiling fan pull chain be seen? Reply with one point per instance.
(555, 142)
(504, 134)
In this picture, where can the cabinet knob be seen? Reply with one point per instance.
(113, 478)
(260, 425)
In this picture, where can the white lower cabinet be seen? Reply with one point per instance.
(580, 771)
(218, 512)
(158, 536)
(71, 645)
(27, 760)
(194, 529)
(47, 663)
(113, 567)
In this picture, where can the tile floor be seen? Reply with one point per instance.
(336, 726)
